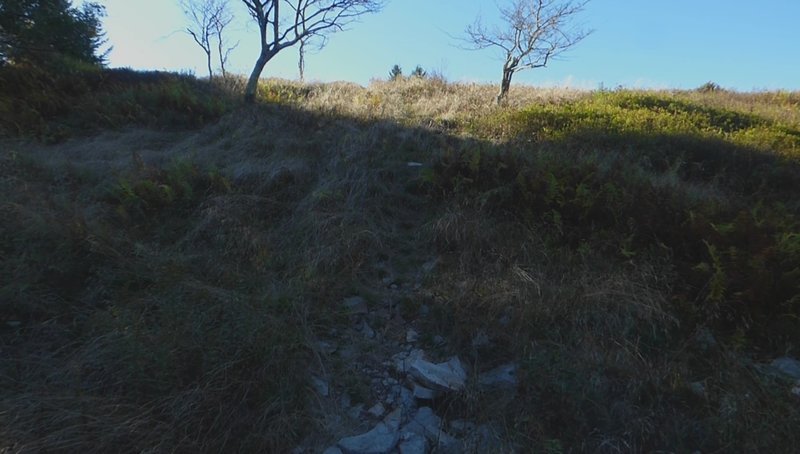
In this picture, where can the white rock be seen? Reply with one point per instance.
(394, 419)
(447, 376)
(412, 335)
(501, 376)
(421, 392)
(380, 440)
(377, 410)
(413, 444)
(320, 386)
(788, 366)
(405, 398)
(425, 423)
(402, 361)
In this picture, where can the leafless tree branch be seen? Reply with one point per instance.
(207, 22)
(284, 23)
(533, 33)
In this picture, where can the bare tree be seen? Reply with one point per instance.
(207, 22)
(533, 33)
(220, 23)
(284, 23)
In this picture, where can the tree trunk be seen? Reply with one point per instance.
(252, 83)
(508, 73)
(208, 63)
(301, 64)
(222, 57)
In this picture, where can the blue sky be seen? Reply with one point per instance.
(738, 44)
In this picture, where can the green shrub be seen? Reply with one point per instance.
(736, 265)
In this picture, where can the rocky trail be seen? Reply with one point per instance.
(398, 381)
(386, 384)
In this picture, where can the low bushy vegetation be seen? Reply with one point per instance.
(164, 287)
(712, 189)
(54, 105)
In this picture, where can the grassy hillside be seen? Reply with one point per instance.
(171, 259)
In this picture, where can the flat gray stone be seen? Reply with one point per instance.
(425, 423)
(377, 410)
(405, 398)
(447, 376)
(413, 444)
(412, 335)
(788, 366)
(332, 450)
(402, 361)
(421, 392)
(501, 376)
(394, 419)
(379, 440)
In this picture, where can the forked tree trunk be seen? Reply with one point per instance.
(223, 59)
